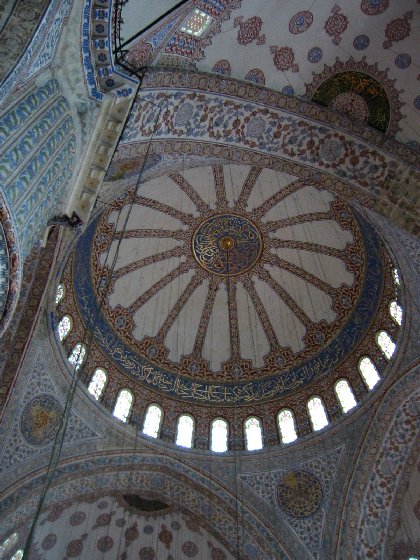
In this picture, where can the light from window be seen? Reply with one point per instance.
(219, 435)
(8, 544)
(18, 555)
(395, 310)
(152, 421)
(64, 327)
(317, 413)
(287, 426)
(196, 23)
(253, 434)
(59, 294)
(385, 343)
(396, 276)
(345, 395)
(369, 372)
(97, 383)
(185, 430)
(123, 405)
(77, 356)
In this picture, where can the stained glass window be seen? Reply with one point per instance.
(345, 395)
(8, 544)
(369, 372)
(287, 426)
(64, 327)
(97, 383)
(396, 276)
(219, 435)
(317, 413)
(253, 434)
(396, 312)
(185, 430)
(18, 555)
(386, 344)
(77, 356)
(123, 405)
(152, 421)
(59, 294)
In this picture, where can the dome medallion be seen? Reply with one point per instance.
(227, 245)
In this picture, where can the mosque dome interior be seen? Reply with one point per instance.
(209, 280)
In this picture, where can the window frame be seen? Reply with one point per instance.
(252, 417)
(310, 417)
(227, 434)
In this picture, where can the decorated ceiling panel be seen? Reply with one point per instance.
(359, 58)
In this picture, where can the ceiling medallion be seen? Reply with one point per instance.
(227, 245)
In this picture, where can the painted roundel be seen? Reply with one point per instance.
(299, 494)
(300, 22)
(226, 285)
(315, 55)
(374, 7)
(41, 419)
(227, 245)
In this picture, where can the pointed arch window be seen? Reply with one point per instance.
(396, 276)
(345, 395)
(185, 431)
(64, 327)
(123, 405)
(7, 545)
(97, 383)
(386, 344)
(152, 421)
(396, 312)
(78, 356)
(59, 293)
(317, 413)
(253, 434)
(219, 435)
(287, 426)
(369, 372)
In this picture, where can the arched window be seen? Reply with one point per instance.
(123, 405)
(7, 545)
(97, 383)
(369, 372)
(64, 327)
(396, 312)
(253, 434)
(287, 426)
(386, 344)
(185, 431)
(396, 276)
(78, 356)
(152, 420)
(345, 395)
(18, 555)
(317, 413)
(59, 294)
(219, 435)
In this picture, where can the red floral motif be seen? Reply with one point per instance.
(140, 55)
(397, 29)
(336, 24)
(249, 30)
(284, 58)
(165, 536)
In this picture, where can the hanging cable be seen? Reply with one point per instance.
(87, 341)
